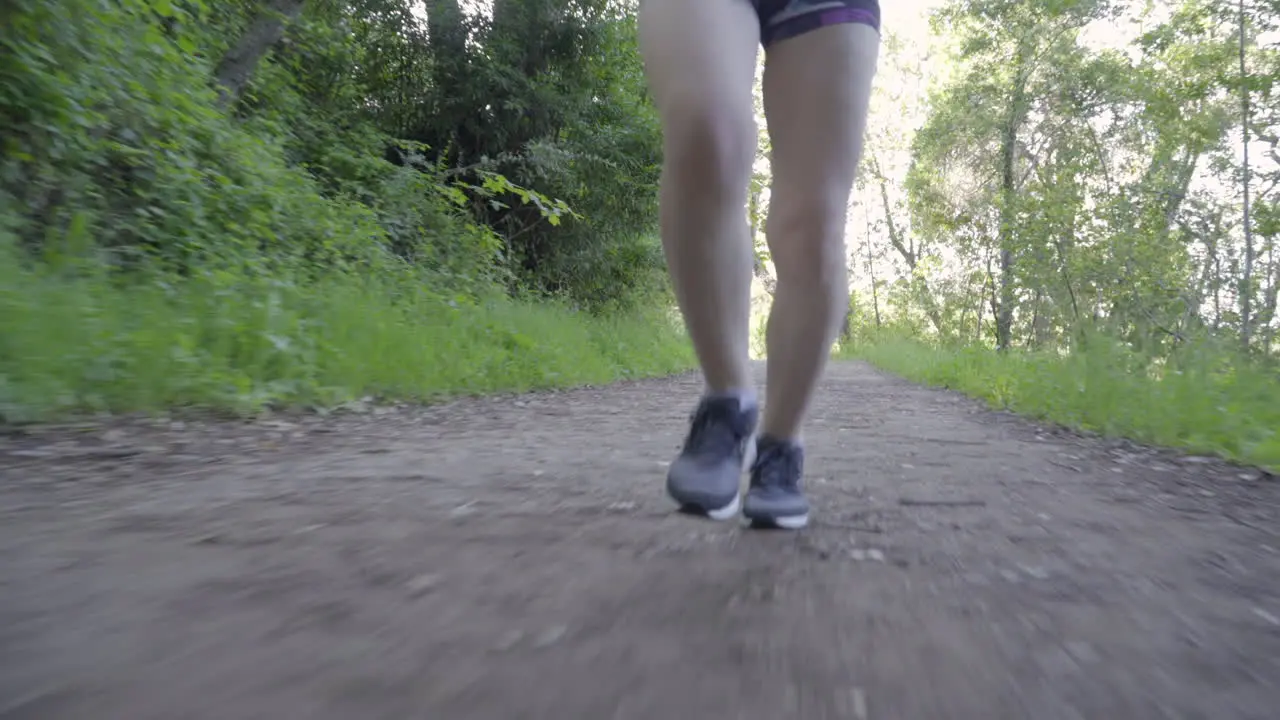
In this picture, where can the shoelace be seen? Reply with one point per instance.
(776, 466)
(712, 431)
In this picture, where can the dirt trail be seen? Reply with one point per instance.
(515, 558)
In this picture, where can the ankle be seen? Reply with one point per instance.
(747, 397)
(770, 439)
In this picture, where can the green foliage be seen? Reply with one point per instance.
(366, 208)
(112, 119)
(551, 95)
(1080, 208)
(74, 339)
(1208, 399)
(1081, 189)
(112, 124)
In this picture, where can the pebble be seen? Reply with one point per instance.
(1266, 616)
(859, 704)
(550, 636)
(872, 554)
(1081, 651)
(509, 640)
(422, 584)
(1035, 571)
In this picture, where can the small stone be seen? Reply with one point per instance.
(1056, 662)
(858, 554)
(1081, 651)
(422, 584)
(550, 636)
(622, 506)
(1266, 616)
(462, 510)
(509, 640)
(791, 700)
(876, 555)
(1035, 571)
(859, 704)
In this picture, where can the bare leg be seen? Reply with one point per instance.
(700, 61)
(817, 89)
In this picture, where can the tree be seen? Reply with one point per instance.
(237, 65)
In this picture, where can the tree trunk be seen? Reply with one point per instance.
(909, 254)
(1217, 291)
(871, 268)
(1008, 151)
(978, 312)
(753, 219)
(1246, 278)
(1270, 298)
(237, 66)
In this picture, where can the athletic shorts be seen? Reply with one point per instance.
(782, 19)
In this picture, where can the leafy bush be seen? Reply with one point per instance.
(163, 243)
(114, 130)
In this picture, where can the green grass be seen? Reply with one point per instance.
(72, 343)
(1205, 400)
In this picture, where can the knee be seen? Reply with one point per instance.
(710, 146)
(806, 242)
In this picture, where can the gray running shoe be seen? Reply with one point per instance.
(706, 478)
(774, 499)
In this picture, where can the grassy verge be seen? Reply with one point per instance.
(71, 343)
(1205, 400)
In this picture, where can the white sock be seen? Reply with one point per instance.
(747, 397)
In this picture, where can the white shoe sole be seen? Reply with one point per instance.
(728, 511)
(785, 522)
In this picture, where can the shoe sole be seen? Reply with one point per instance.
(728, 511)
(719, 514)
(785, 522)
